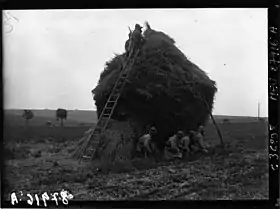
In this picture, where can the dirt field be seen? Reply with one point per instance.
(241, 172)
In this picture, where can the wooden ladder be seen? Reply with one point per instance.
(95, 138)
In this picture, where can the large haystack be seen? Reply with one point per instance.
(158, 90)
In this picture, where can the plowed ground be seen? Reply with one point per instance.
(241, 172)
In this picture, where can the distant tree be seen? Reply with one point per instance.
(225, 120)
(62, 115)
(27, 115)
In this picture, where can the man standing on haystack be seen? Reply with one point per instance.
(145, 144)
(135, 40)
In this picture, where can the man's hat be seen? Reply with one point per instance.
(153, 129)
(192, 132)
(138, 26)
(180, 133)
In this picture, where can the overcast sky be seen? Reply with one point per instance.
(53, 58)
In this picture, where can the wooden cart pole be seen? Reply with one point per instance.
(217, 128)
(208, 109)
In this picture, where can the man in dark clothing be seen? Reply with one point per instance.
(145, 144)
(196, 142)
(136, 39)
(172, 149)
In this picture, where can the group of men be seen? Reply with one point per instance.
(177, 146)
(183, 145)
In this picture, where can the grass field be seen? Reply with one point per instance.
(241, 172)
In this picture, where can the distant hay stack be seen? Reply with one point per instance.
(158, 92)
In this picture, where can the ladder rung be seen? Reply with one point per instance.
(102, 120)
(108, 110)
(110, 105)
(97, 127)
(115, 94)
(100, 124)
(122, 77)
(118, 87)
(88, 153)
(105, 115)
(111, 101)
(115, 98)
(97, 131)
(93, 142)
(121, 80)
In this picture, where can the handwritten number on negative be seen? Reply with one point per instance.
(37, 199)
(271, 155)
(64, 197)
(272, 166)
(54, 197)
(274, 150)
(45, 197)
(30, 201)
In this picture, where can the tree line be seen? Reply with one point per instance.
(61, 114)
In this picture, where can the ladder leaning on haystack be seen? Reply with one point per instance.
(92, 142)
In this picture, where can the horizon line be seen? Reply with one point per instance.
(95, 111)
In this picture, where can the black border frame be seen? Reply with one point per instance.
(273, 92)
(273, 100)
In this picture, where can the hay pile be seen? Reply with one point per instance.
(117, 140)
(158, 88)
